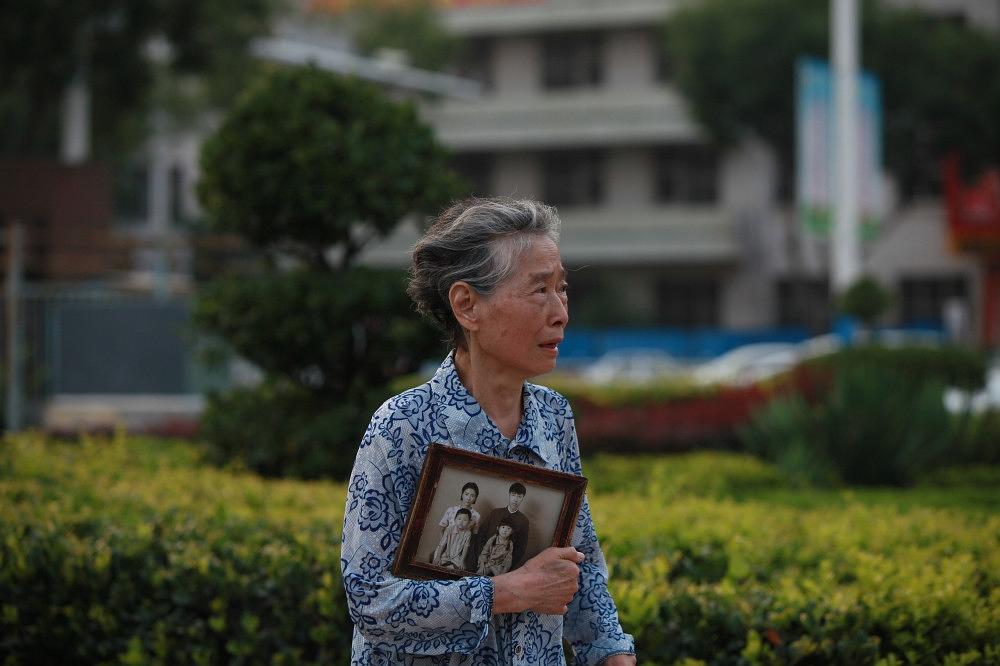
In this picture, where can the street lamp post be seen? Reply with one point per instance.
(845, 262)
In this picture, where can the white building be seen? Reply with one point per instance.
(579, 111)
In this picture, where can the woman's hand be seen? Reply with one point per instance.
(620, 660)
(544, 584)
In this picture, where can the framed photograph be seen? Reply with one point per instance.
(478, 515)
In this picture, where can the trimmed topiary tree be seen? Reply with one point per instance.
(308, 168)
(866, 299)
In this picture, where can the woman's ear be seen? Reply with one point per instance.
(463, 299)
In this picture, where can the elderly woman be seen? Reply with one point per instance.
(488, 271)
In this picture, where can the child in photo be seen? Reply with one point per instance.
(470, 493)
(497, 554)
(454, 544)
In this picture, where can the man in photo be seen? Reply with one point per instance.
(518, 522)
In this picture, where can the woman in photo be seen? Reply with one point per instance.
(470, 493)
(498, 552)
(488, 271)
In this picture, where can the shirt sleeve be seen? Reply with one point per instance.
(445, 518)
(396, 614)
(591, 623)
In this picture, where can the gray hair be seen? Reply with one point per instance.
(478, 241)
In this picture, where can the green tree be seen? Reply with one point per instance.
(45, 43)
(308, 168)
(866, 299)
(411, 27)
(734, 60)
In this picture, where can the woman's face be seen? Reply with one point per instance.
(468, 497)
(524, 320)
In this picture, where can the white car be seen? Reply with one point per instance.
(637, 366)
(957, 400)
(748, 364)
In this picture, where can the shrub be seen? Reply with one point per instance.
(954, 366)
(308, 168)
(977, 438)
(130, 551)
(866, 299)
(873, 427)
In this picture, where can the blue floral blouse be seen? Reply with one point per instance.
(401, 621)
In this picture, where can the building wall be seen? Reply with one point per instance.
(517, 66)
(66, 214)
(767, 245)
(630, 61)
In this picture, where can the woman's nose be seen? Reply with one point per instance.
(560, 311)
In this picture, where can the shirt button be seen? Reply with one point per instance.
(518, 650)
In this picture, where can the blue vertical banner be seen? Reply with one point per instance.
(814, 163)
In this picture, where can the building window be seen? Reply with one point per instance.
(178, 211)
(477, 171)
(686, 174)
(664, 71)
(784, 188)
(688, 303)
(571, 60)
(804, 302)
(573, 177)
(923, 298)
(475, 61)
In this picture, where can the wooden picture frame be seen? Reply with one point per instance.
(550, 516)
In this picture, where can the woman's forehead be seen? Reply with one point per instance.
(541, 255)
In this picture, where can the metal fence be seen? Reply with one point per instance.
(100, 342)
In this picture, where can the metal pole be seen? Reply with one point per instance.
(846, 260)
(15, 261)
(159, 203)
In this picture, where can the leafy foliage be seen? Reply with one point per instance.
(411, 27)
(109, 39)
(866, 299)
(309, 168)
(954, 366)
(307, 160)
(871, 428)
(331, 332)
(132, 551)
(734, 60)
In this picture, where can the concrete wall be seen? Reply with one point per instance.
(517, 66)
(629, 60)
(629, 177)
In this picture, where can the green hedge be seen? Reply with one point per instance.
(131, 551)
(953, 366)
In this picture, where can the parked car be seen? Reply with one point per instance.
(821, 345)
(957, 400)
(636, 366)
(748, 364)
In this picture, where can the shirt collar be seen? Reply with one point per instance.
(466, 418)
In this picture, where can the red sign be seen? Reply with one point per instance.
(973, 210)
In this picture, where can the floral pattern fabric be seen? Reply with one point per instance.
(450, 622)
